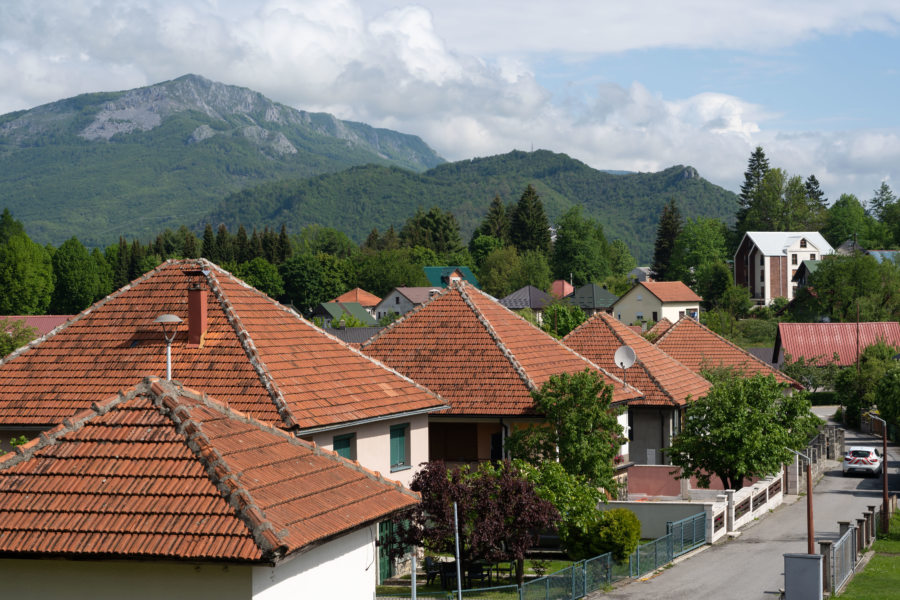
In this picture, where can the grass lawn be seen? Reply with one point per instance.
(881, 577)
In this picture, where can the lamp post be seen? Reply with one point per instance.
(885, 520)
(170, 328)
(810, 529)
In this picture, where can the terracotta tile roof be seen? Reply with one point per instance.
(661, 327)
(43, 324)
(697, 347)
(671, 291)
(359, 296)
(265, 359)
(480, 356)
(662, 379)
(162, 472)
(825, 339)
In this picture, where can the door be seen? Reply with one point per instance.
(385, 564)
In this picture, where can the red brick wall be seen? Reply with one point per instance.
(778, 268)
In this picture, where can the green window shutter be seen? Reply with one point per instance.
(399, 458)
(343, 445)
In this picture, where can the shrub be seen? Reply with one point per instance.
(617, 531)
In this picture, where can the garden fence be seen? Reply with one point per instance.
(593, 574)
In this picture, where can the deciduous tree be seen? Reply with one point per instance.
(581, 250)
(76, 278)
(741, 428)
(26, 277)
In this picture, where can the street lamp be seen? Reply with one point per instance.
(810, 529)
(170, 328)
(885, 521)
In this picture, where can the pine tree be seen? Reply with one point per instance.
(284, 245)
(208, 249)
(883, 198)
(529, 228)
(242, 246)
(667, 232)
(757, 167)
(814, 193)
(495, 223)
(224, 247)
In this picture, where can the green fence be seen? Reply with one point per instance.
(596, 573)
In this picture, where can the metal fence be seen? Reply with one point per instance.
(593, 574)
(843, 559)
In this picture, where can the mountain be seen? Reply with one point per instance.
(360, 198)
(134, 162)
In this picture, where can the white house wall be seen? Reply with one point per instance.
(373, 445)
(623, 421)
(133, 580)
(342, 568)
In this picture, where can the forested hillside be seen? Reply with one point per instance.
(360, 198)
(131, 163)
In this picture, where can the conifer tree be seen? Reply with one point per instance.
(224, 247)
(667, 232)
(495, 223)
(242, 246)
(529, 228)
(757, 167)
(883, 198)
(208, 249)
(284, 245)
(815, 194)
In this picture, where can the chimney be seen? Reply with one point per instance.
(196, 314)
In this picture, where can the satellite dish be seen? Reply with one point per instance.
(624, 357)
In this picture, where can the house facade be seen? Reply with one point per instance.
(485, 361)
(171, 494)
(767, 261)
(401, 300)
(652, 301)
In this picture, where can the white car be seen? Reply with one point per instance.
(862, 459)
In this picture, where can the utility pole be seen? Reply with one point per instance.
(810, 528)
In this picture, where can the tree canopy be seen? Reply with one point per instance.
(667, 233)
(742, 428)
(581, 250)
(529, 228)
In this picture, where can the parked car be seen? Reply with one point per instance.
(862, 459)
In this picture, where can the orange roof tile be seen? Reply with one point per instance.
(265, 359)
(479, 355)
(698, 347)
(662, 379)
(360, 296)
(162, 472)
(660, 328)
(561, 288)
(671, 291)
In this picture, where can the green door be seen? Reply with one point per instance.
(385, 564)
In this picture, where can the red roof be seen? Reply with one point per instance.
(661, 327)
(824, 340)
(671, 291)
(265, 359)
(163, 472)
(561, 288)
(479, 355)
(662, 379)
(43, 324)
(699, 348)
(359, 296)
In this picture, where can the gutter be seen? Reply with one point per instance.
(345, 424)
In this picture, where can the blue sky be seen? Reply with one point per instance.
(633, 86)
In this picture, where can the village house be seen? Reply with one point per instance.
(484, 360)
(362, 297)
(766, 261)
(667, 385)
(528, 297)
(162, 492)
(651, 301)
(592, 298)
(401, 300)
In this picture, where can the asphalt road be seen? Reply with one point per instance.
(751, 566)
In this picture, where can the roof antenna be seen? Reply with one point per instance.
(624, 359)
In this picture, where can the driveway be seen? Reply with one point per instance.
(751, 566)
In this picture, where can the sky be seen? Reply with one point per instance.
(637, 86)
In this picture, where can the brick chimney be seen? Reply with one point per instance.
(196, 314)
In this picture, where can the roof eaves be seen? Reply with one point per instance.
(247, 344)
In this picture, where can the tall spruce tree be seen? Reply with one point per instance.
(814, 193)
(667, 232)
(495, 223)
(883, 198)
(529, 228)
(757, 167)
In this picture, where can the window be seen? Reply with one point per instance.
(762, 260)
(812, 257)
(345, 445)
(396, 299)
(802, 243)
(639, 316)
(762, 274)
(655, 317)
(399, 447)
(793, 259)
(640, 297)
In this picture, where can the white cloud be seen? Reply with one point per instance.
(458, 74)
